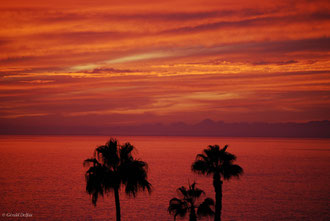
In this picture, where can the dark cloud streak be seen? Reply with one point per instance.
(251, 22)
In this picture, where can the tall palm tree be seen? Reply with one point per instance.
(187, 202)
(112, 167)
(219, 163)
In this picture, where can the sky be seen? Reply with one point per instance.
(89, 63)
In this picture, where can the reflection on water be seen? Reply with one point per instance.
(284, 178)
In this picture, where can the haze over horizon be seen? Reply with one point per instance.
(205, 128)
(82, 64)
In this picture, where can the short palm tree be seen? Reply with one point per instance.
(112, 167)
(219, 163)
(187, 203)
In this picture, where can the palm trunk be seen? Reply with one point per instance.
(217, 183)
(192, 215)
(117, 204)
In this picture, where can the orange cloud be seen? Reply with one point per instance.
(142, 61)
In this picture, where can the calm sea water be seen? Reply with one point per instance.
(285, 179)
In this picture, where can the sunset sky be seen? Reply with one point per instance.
(70, 62)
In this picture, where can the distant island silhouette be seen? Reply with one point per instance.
(207, 127)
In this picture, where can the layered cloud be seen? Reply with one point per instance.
(132, 63)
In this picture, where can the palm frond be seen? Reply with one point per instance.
(108, 154)
(91, 161)
(203, 158)
(125, 152)
(216, 160)
(133, 174)
(226, 157)
(113, 166)
(205, 208)
(111, 180)
(211, 153)
(224, 148)
(182, 191)
(231, 170)
(187, 200)
(201, 167)
(95, 182)
(194, 192)
(177, 207)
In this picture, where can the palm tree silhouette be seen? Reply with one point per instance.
(219, 163)
(113, 166)
(187, 202)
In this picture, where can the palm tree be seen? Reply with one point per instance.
(187, 202)
(219, 163)
(112, 167)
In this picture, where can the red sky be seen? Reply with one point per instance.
(131, 62)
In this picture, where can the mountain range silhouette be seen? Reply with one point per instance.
(207, 127)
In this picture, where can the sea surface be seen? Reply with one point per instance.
(284, 179)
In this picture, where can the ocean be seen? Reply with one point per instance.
(284, 179)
